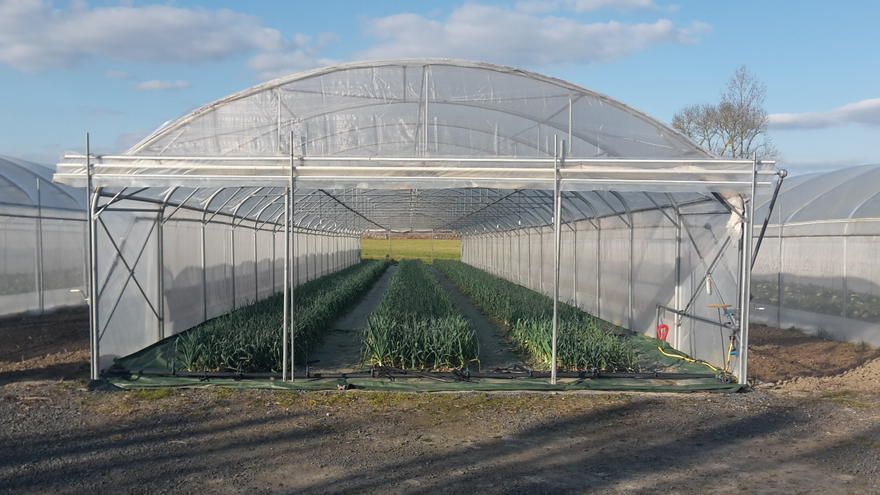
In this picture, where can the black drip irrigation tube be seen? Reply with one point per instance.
(390, 373)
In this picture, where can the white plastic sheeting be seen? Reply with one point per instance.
(621, 268)
(448, 145)
(416, 124)
(818, 268)
(42, 240)
(164, 269)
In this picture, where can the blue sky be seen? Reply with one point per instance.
(121, 69)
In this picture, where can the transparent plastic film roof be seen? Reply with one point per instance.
(417, 144)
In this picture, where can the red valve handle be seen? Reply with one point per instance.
(663, 332)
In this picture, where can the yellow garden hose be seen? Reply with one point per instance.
(688, 359)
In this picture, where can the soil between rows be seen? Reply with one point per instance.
(496, 350)
(341, 349)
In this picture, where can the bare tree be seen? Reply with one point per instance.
(736, 126)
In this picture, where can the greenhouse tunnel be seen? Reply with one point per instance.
(189, 223)
(42, 240)
(818, 269)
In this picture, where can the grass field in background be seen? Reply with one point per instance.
(447, 249)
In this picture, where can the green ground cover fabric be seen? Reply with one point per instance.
(428, 385)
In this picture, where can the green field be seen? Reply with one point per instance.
(420, 249)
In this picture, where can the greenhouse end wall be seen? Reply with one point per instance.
(604, 264)
(42, 259)
(243, 262)
(823, 278)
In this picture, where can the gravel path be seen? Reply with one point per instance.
(341, 350)
(496, 350)
(808, 435)
(61, 438)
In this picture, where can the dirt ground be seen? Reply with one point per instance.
(496, 350)
(778, 354)
(341, 349)
(812, 434)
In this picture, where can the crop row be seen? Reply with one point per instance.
(584, 342)
(250, 338)
(416, 326)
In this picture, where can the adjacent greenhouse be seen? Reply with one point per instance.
(42, 240)
(551, 186)
(819, 269)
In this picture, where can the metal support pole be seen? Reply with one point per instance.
(557, 231)
(92, 194)
(747, 234)
(631, 294)
(390, 251)
(41, 298)
(432, 246)
(232, 254)
(599, 267)
(519, 261)
(274, 260)
(529, 257)
(160, 266)
(574, 262)
(541, 258)
(256, 266)
(780, 260)
(203, 255)
(676, 339)
(291, 186)
(510, 256)
(286, 290)
(782, 175)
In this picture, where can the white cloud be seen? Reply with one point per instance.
(866, 112)
(300, 53)
(497, 34)
(34, 35)
(543, 6)
(158, 85)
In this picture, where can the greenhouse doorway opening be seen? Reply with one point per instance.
(234, 233)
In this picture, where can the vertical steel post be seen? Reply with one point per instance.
(232, 254)
(160, 265)
(631, 295)
(541, 258)
(557, 231)
(92, 194)
(780, 261)
(274, 259)
(844, 275)
(678, 289)
(41, 298)
(510, 256)
(599, 267)
(574, 262)
(519, 261)
(747, 234)
(291, 186)
(529, 257)
(203, 256)
(286, 290)
(256, 263)
(432, 246)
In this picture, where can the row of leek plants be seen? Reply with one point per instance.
(584, 342)
(250, 339)
(416, 325)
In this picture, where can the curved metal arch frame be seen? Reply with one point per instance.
(403, 64)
